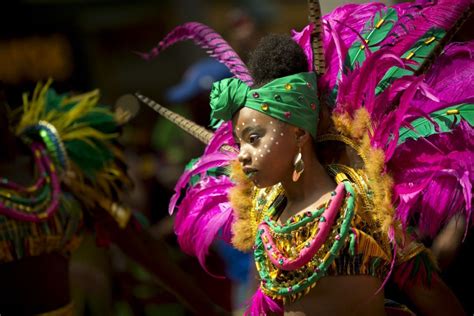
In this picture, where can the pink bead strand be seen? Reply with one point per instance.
(277, 258)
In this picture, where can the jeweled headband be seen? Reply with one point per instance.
(292, 99)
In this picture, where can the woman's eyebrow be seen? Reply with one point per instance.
(248, 129)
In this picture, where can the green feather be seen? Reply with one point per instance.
(423, 47)
(418, 52)
(215, 123)
(101, 119)
(89, 155)
(189, 166)
(212, 172)
(53, 100)
(446, 122)
(375, 32)
(218, 171)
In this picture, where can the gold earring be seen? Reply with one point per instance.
(298, 166)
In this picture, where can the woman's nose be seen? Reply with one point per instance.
(244, 156)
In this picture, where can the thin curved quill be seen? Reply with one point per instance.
(207, 38)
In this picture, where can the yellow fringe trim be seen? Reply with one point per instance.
(241, 198)
(369, 248)
(380, 183)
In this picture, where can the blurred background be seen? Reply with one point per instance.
(92, 44)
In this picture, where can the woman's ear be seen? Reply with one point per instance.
(302, 136)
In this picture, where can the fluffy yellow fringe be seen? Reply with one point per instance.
(244, 227)
(380, 182)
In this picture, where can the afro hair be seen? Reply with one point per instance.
(276, 56)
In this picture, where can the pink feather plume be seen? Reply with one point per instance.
(206, 38)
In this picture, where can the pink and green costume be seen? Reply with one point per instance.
(397, 98)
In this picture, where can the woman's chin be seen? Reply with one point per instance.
(257, 183)
(261, 184)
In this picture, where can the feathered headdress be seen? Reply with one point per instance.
(405, 108)
(79, 136)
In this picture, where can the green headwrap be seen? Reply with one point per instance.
(292, 99)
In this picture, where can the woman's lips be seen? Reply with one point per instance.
(250, 172)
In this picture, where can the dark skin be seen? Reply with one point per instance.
(267, 150)
(44, 281)
(253, 130)
(446, 244)
(279, 143)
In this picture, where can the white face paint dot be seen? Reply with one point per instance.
(253, 120)
(268, 150)
(265, 146)
(271, 122)
(243, 123)
(274, 130)
(272, 138)
(277, 143)
(259, 150)
(281, 134)
(261, 155)
(238, 129)
(256, 158)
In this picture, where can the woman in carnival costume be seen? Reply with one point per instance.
(60, 169)
(391, 123)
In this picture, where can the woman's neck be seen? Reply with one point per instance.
(312, 187)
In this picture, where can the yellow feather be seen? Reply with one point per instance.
(360, 124)
(381, 183)
(240, 198)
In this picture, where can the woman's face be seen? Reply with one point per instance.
(267, 147)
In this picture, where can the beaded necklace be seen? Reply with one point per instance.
(293, 256)
(37, 202)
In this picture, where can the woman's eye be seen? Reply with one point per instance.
(253, 138)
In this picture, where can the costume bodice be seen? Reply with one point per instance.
(334, 239)
(60, 233)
